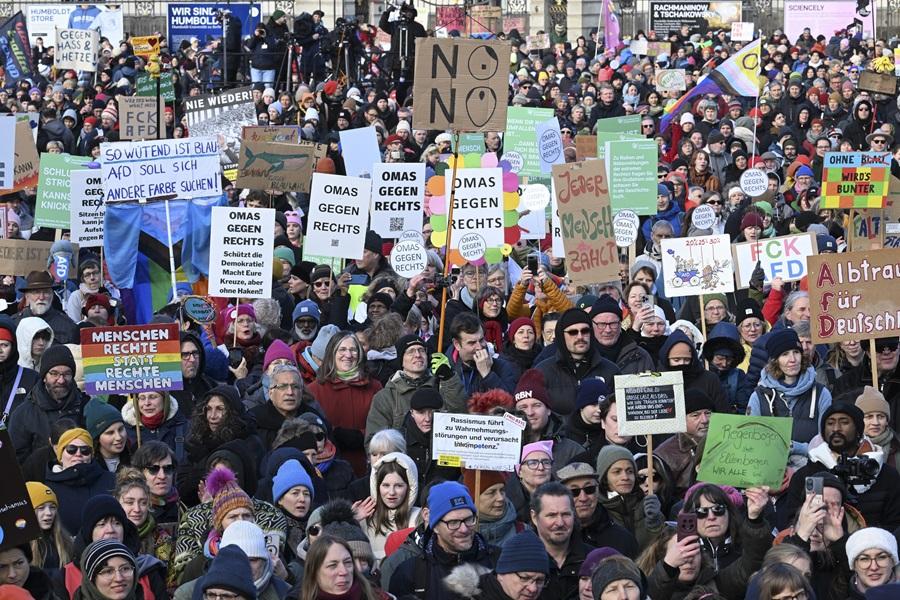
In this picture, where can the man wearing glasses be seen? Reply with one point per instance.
(285, 402)
(451, 541)
(521, 572)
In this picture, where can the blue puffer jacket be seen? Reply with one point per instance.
(672, 214)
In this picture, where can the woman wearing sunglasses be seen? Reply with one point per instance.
(76, 477)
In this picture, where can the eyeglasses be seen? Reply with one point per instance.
(538, 580)
(601, 325)
(60, 375)
(110, 572)
(589, 490)
(879, 141)
(647, 126)
(801, 595)
(714, 202)
(454, 524)
(352, 351)
(865, 561)
(189, 355)
(535, 463)
(493, 300)
(716, 509)
(155, 469)
(220, 596)
(72, 450)
(578, 332)
(285, 386)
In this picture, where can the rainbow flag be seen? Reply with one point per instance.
(131, 359)
(737, 76)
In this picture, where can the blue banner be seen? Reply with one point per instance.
(198, 19)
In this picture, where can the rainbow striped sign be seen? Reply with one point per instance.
(855, 179)
(131, 359)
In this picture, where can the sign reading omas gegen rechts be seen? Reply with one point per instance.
(240, 254)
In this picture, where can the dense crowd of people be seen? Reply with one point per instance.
(297, 461)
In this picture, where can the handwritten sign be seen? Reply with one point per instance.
(145, 46)
(146, 86)
(21, 257)
(649, 403)
(671, 80)
(461, 84)
(586, 221)
(285, 134)
(742, 31)
(275, 166)
(398, 195)
(131, 359)
(744, 451)
(25, 170)
(76, 49)
(855, 179)
(338, 215)
(86, 208)
(492, 443)
(697, 265)
(783, 257)
(538, 41)
(240, 252)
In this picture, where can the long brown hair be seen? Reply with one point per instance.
(315, 558)
(381, 518)
(59, 538)
(781, 577)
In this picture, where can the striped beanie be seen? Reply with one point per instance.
(97, 553)
(227, 495)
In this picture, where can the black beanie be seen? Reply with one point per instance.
(56, 356)
(695, 400)
(405, 343)
(573, 316)
(98, 508)
(851, 410)
(426, 397)
(606, 304)
(374, 243)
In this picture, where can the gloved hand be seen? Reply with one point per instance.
(653, 512)
(758, 277)
(440, 366)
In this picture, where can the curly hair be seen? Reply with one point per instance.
(482, 403)
(232, 425)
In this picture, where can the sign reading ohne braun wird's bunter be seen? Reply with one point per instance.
(240, 255)
(477, 441)
(649, 403)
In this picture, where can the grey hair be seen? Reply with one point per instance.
(278, 370)
(386, 441)
(660, 225)
(434, 260)
(792, 299)
(802, 329)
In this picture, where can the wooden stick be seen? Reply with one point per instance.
(137, 418)
(440, 345)
(477, 492)
(237, 302)
(702, 317)
(650, 463)
(873, 359)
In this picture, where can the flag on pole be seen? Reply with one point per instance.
(612, 33)
(737, 76)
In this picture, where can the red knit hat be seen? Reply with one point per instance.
(488, 478)
(93, 300)
(518, 324)
(396, 539)
(532, 385)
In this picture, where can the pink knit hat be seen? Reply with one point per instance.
(545, 446)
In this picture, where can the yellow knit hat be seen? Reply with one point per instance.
(40, 494)
(70, 436)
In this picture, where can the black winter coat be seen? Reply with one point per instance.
(74, 487)
(563, 376)
(29, 425)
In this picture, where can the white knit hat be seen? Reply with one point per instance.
(869, 538)
(248, 537)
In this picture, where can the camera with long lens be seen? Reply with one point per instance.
(856, 470)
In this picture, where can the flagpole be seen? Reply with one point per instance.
(756, 104)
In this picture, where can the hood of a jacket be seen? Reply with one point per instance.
(25, 332)
(412, 475)
(677, 337)
(128, 412)
(7, 324)
(190, 336)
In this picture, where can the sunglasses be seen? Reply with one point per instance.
(155, 469)
(886, 347)
(325, 283)
(72, 450)
(716, 509)
(714, 202)
(589, 490)
(576, 332)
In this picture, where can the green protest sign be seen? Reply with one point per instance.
(470, 143)
(744, 452)
(54, 185)
(521, 137)
(631, 172)
(615, 129)
(146, 86)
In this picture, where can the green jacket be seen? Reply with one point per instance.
(391, 404)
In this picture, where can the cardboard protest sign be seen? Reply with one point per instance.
(855, 179)
(52, 202)
(585, 146)
(145, 46)
(783, 257)
(86, 208)
(240, 252)
(338, 215)
(141, 118)
(634, 185)
(697, 265)
(850, 298)
(877, 83)
(649, 403)
(744, 451)
(615, 129)
(185, 168)
(146, 86)
(492, 443)
(25, 170)
(520, 137)
(18, 522)
(549, 145)
(76, 49)
(671, 80)
(7, 151)
(478, 205)
(461, 84)
(742, 31)
(21, 257)
(275, 166)
(585, 215)
(398, 196)
(359, 147)
(891, 216)
(130, 359)
(285, 134)
(538, 41)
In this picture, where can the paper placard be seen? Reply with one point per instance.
(855, 179)
(240, 252)
(87, 209)
(478, 205)
(338, 215)
(744, 451)
(783, 257)
(146, 86)
(697, 265)
(359, 148)
(145, 46)
(398, 196)
(585, 146)
(131, 359)
(409, 258)
(491, 443)
(76, 49)
(185, 168)
(54, 185)
(650, 403)
(671, 80)
(520, 137)
(742, 31)
(275, 166)
(472, 247)
(538, 41)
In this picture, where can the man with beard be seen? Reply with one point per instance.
(606, 319)
(54, 397)
(877, 498)
(306, 317)
(38, 292)
(196, 382)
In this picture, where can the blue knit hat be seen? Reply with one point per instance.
(230, 570)
(663, 190)
(291, 474)
(523, 553)
(307, 308)
(591, 391)
(446, 497)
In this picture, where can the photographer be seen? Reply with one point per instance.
(403, 31)
(232, 49)
(873, 487)
(267, 48)
(345, 49)
(312, 36)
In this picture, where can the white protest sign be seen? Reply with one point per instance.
(491, 443)
(240, 252)
(697, 265)
(742, 31)
(7, 151)
(704, 217)
(671, 80)
(409, 259)
(478, 205)
(514, 159)
(754, 182)
(472, 247)
(398, 193)
(639, 47)
(86, 207)
(783, 257)
(338, 215)
(185, 168)
(550, 146)
(625, 227)
(650, 403)
(412, 235)
(535, 197)
(359, 148)
(76, 49)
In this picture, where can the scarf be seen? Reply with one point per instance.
(414, 381)
(884, 439)
(354, 593)
(147, 526)
(466, 298)
(263, 580)
(155, 421)
(348, 375)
